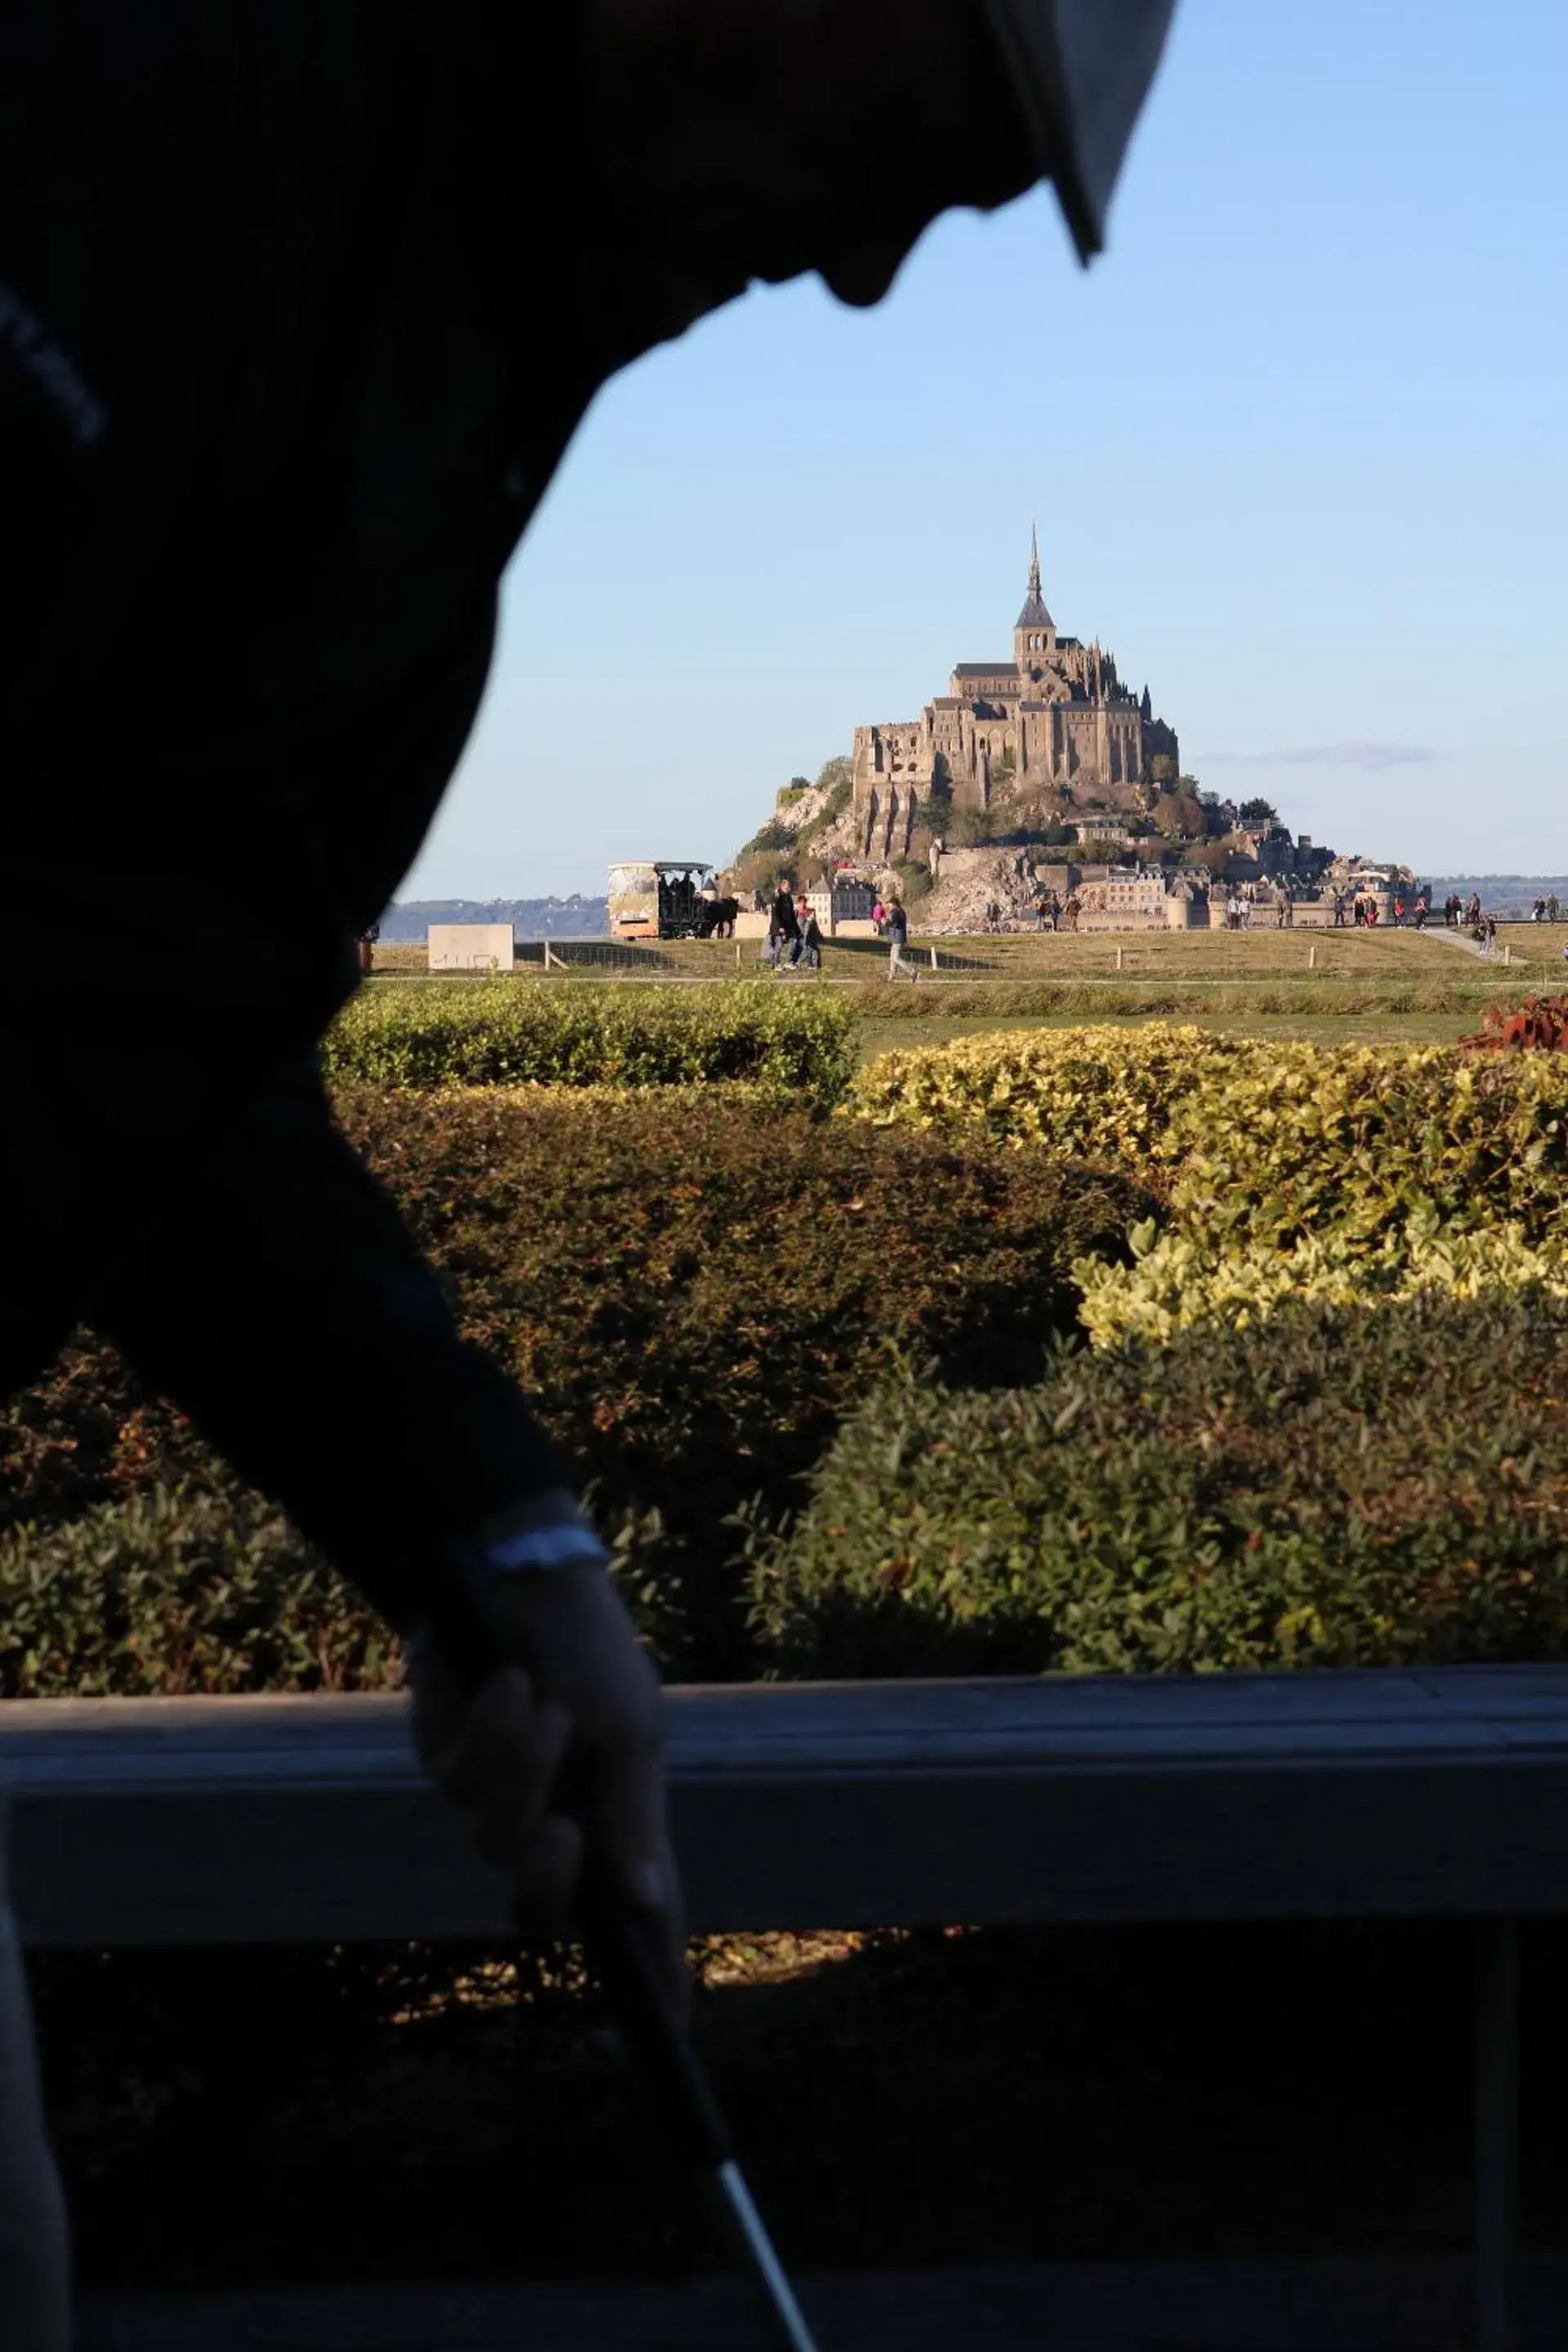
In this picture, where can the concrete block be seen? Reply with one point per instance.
(470, 947)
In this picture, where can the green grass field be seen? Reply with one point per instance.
(1048, 955)
(1385, 987)
(1326, 1029)
(1348, 955)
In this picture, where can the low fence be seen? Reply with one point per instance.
(603, 955)
(1438, 1794)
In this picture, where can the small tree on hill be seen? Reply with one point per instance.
(972, 827)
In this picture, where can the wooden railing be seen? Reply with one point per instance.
(1375, 1795)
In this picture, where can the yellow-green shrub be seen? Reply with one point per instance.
(1376, 1155)
(516, 1032)
(1180, 1277)
(1105, 1093)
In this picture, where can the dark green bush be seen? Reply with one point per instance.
(523, 1032)
(177, 1589)
(1337, 1487)
(694, 1288)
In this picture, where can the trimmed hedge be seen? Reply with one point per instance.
(1189, 1275)
(1344, 1486)
(1272, 1136)
(1337, 1173)
(695, 1289)
(180, 1589)
(523, 1032)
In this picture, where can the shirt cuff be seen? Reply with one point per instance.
(546, 1547)
(553, 1543)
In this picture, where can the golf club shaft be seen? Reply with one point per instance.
(621, 1944)
(632, 1970)
(748, 2234)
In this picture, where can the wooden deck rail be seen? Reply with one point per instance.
(1419, 1794)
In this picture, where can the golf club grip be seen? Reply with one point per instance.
(622, 1945)
(476, 1642)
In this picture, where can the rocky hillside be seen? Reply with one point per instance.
(985, 856)
(811, 831)
(969, 880)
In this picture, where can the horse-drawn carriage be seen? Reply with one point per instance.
(669, 898)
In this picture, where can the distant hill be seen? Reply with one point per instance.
(1503, 894)
(530, 918)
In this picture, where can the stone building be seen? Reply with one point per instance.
(1053, 725)
(1123, 902)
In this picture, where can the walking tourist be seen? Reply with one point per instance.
(1339, 903)
(898, 939)
(878, 916)
(811, 942)
(1422, 911)
(279, 390)
(1538, 912)
(783, 929)
(1399, 914)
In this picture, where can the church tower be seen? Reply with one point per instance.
(1035, 632)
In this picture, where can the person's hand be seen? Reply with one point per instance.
(589, 1705)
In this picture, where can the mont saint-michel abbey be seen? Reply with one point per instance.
(1054, 725)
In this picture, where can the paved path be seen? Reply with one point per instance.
(1518, 952)
(1463, 940)
(1347, 2306)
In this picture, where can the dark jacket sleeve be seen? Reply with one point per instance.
(270, 1288)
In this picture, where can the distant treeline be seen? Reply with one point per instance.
(1503, 893)
(530, 918)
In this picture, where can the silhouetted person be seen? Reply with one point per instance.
(297, 316)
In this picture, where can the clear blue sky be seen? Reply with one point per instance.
(1296, 443)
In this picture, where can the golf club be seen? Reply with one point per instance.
(476, 1644)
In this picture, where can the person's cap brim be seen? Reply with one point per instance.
(1080, 70)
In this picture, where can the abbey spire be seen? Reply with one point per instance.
(1034, 631)
(1034, 615)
